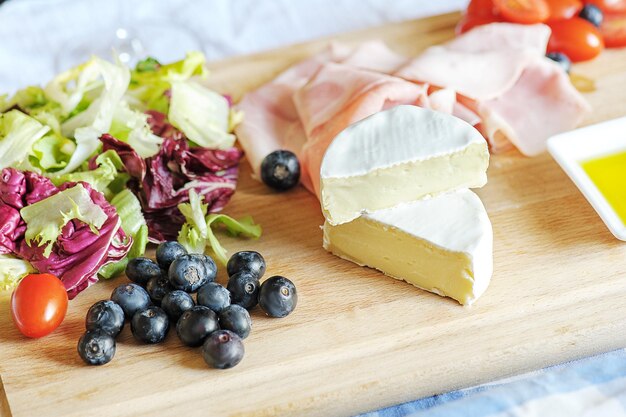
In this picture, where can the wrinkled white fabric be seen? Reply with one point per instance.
(41, 37)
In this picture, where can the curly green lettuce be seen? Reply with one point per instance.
(197, 233)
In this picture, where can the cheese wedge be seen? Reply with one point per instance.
(396, 156)
(441, 244)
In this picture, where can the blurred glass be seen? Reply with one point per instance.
(130, 39)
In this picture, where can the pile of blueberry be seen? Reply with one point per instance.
(160, 295)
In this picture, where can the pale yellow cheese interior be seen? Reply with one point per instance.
(346, 198)
(406, 257)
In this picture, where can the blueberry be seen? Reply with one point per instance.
(167, 252)
(176, 303)
(236, 319)
(107, 316)
(561, 59)
(195, 324)
(141, 270)
(157, 288)
(249, 261)
(223, 349)
(214, 296)
(592, 14)
(96, 347)
(131, 297)
(190, 272)
(244, 289)
(150, 325)
(280, 170)
(278, 296)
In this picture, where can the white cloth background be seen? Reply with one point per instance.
(40, 37)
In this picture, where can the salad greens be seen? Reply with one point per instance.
(104, 158)
(189, 102)
(70, 231)
(109, 163)
(134, 225)
(12, 270)
(132, 126)
(18, 133)
(151, 81)
(197, 233)
(46, 218)
(87, 125)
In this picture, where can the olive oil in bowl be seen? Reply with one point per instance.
(608, 173)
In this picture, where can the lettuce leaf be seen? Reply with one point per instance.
(28, 99)
(134, 225)
(18, 133)
(150, 81)
(51, 153)
(12, 270)
(87, 126)
(197, 233)
(46, 218)
(108, 164)
(132, 127)
(194, 233)
(201, 114)
(70, 88)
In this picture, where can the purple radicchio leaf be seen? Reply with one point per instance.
(171, 173)
(78, 253)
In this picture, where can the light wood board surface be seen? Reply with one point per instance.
(359, 341)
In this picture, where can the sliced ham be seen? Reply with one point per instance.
(501, 74)
(339, 95)
(553, 106)
(271, 121)
(270, 118)
(371, 55)
(483, 63)
(495, 77)
(479, 76)
(503, 37)
(442, 100)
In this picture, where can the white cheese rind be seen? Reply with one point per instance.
(397, 156)
(442, 244)
(399, 135)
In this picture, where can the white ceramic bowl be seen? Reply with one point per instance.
(569, 149)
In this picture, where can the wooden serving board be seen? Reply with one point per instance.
(358, 340)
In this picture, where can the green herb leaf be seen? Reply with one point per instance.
(197, 233)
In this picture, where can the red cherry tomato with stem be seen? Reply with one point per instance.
(523, 11)
(576, 38)
(38, 304)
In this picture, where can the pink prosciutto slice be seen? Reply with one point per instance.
(371, 55)
(553, 106)
(271, 121)
(483, 63)
(339, 95)
(501, 75)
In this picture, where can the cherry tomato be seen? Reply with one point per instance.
(609, 6)
(576, 38)
(469, 22)
(614, 30)
(38, 304)
(480, 8)
(564, 9)
(523, 11)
